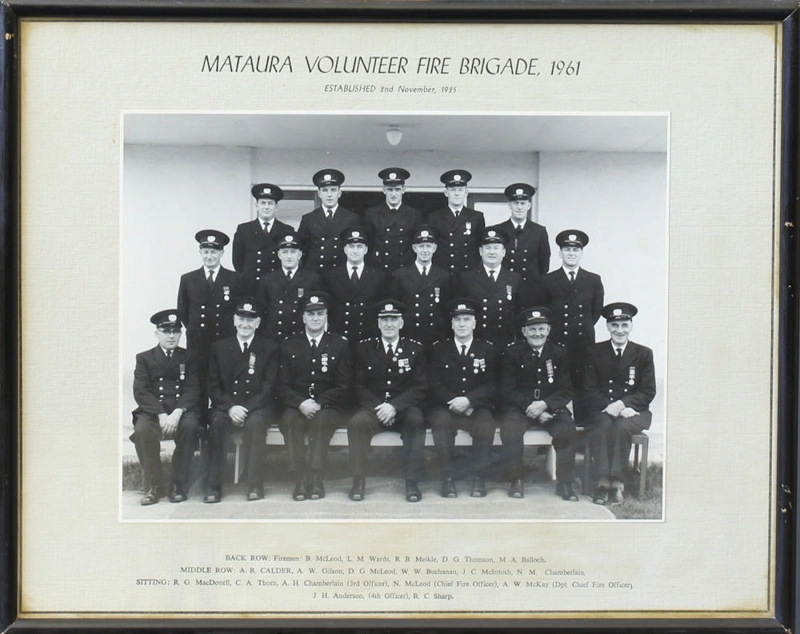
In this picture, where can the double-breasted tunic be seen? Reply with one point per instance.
(390, 235)
(280, 297)
(351, 310)
(457, 238)
(321, 238)
(527, 252)
(254, 251)
(499, 302)
(427, 319)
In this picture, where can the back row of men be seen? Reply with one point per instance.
(308, 386)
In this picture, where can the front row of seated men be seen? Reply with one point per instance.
(309, 383)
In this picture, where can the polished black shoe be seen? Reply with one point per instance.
(478, 488)
(568, 492)
(517, 489)
(615, 497)
(317, 488)
(449, 488)
(176, 495)
(357, 491)
(413, 494)
(600, 495)
(255, 493)
(213, 496)
(300, 491)
(150, 497)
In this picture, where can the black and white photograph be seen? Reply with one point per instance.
(516, 262)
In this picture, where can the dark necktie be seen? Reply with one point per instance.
(424, 272)
(266, 229)
(491, 276)
(463, 350)
(619, 354)
(210, 279)
(572, 277)
(536, 355)
(354, 275)
(518, 229)
(244, 347)
(389, 352)
(169, 354)
(288, 276)
(328, 214)
(313, 347)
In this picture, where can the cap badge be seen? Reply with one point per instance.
(424, 234)
(389, 307)
(289, 238)
(536, 313)
(457, 177)
(617, 312)
(356, 234)
(572, 236)
(327, 177)
(313, 299)
(519, 191)
(173, 318)
(267, 190)
(392, 175)
(491, 234)
(211, 239)
(462, 307)
(247, 307)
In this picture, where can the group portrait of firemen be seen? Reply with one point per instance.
(390, 320)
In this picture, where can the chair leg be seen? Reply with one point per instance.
(237, 442)
(645, 440)
(587, 469)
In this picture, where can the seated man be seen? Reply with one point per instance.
(315, 385)
(620, 385)
(391, 380)
(242, 379)
(535, 391)
(463, 389)
(167, 392)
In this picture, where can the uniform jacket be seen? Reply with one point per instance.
(526, 379)
(161, 384)
(474, 376)
(326, 376)
(527, 253)
(249, 379)
(279, 298)
(575, 307)
(320, 238)
(457, 238)
(402, 381)
(631, 379)
(499, 303)
(390, 235)
(254, 252)
(427, 319)
(208, 313)
(351, 312)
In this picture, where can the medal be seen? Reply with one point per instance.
(226, 293)
(182, 370)
(631, 375)
(508, 292)
(252, 364)
(323, 359)
(549, 366)
(436, 294)
(467, 228)
(299, 292)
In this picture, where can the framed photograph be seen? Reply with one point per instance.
(652, 148)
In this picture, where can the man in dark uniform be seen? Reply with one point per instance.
(535, 391)
(316, 379)
(528, 248)
(280, 292)
(620, 385)
(426, 289)
(391, 224)
(354, 288)
(320, 230)
(391, 383)
(167, 393)
(458, 228)
(463, 384)
(206, 298)
(497, 290)
(575, 298)
(254, 243)
(242, 382)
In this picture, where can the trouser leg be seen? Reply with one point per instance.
(255, 440)
(412, 432)
(512, 430)
(360, 430)
(481, 427)
(619, 441)
(219, 427)
(562, 429)
(293, 427)
(320, 431)
(185, 443)
(146, 438)
(444, 436)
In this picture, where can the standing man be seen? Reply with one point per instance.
(463, 384)
(280, 292)
(620, 385)
(206, 298)
(575, 298)
(242, 382)
(255, 242)
(354, 288)
(497, 290)
(425, 288)
(315, 387)
(391, 383)
(457, 226)
(528, 248)
(535, 391)
(391, 224)
(320, 230)
(167, 394)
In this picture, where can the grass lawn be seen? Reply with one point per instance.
(650, 506)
